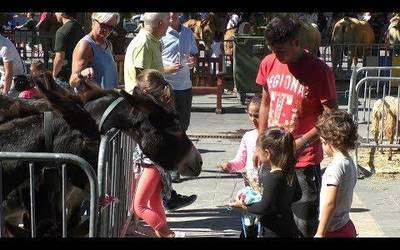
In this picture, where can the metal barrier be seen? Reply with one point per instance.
(369, 55)
(367, 85)
(58, 158)
(117, 178)
(25, 39)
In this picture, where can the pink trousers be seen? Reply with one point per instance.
(148, 200)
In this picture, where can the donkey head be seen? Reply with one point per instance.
(160, 135)
(153, 127)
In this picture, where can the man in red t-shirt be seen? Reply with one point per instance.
(297, 87)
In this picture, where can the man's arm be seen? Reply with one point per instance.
(8, 74)
(81, 59)
(312, 135)
(262, 120)
(264, 110)
(58, 63)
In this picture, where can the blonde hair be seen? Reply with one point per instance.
(104, 17)
(152, 82)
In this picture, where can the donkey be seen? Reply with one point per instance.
(78, 124)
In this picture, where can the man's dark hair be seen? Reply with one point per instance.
(281, 30)
(70, 14)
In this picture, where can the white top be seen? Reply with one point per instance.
(341, 172)
(244, 155)
(233, 21)
(216, 49)
(8, 53)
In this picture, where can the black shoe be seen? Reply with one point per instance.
(178, 201)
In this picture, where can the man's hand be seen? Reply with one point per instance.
(256, 160)
(191, 61)
(172, 68)
(88, 73)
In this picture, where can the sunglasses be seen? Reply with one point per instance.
(105, 26)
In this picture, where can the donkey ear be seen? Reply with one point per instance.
(140, 101)
(54, 87)
(77, 117)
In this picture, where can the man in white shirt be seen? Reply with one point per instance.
(11, 65)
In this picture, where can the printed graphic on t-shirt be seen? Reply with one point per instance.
(286, 95)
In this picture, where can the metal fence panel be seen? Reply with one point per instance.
(57, 158)
(367, 86)
(117, 183)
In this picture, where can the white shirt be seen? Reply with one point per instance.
(8, 53)
(233, 21)
(216, 49)
(341, 172)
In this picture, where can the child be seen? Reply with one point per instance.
(280, 187)
(244, 159)
(154, 179)
(29, 91)
(338, 135)
(217, 49)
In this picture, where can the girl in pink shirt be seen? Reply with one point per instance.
(244, 155)
(244, 160)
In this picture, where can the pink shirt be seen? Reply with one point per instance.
(29, 94)
(244, 155)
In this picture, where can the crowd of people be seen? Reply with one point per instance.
(295, 120)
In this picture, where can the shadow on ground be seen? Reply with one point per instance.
(204, 151)
(359, 210)
(218, 219)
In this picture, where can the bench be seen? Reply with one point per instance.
(207, 79)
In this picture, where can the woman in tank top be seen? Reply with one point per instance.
(92, 58)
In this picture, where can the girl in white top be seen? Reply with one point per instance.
(338, 135)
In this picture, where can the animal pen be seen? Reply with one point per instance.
(341, 57)
(111, 189)
(374, 104)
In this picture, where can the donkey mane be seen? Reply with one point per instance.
(11, 108)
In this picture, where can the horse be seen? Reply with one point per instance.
(353, 34)
(77, 129)
(204, 29)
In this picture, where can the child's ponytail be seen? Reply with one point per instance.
(280, 145)
(288, 159)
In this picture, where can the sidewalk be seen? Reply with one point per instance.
(217, 136)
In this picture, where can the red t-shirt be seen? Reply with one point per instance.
(297, 91)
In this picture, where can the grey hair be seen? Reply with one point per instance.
(152, 18)
(104, 17)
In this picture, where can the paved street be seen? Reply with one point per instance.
(375, 212)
